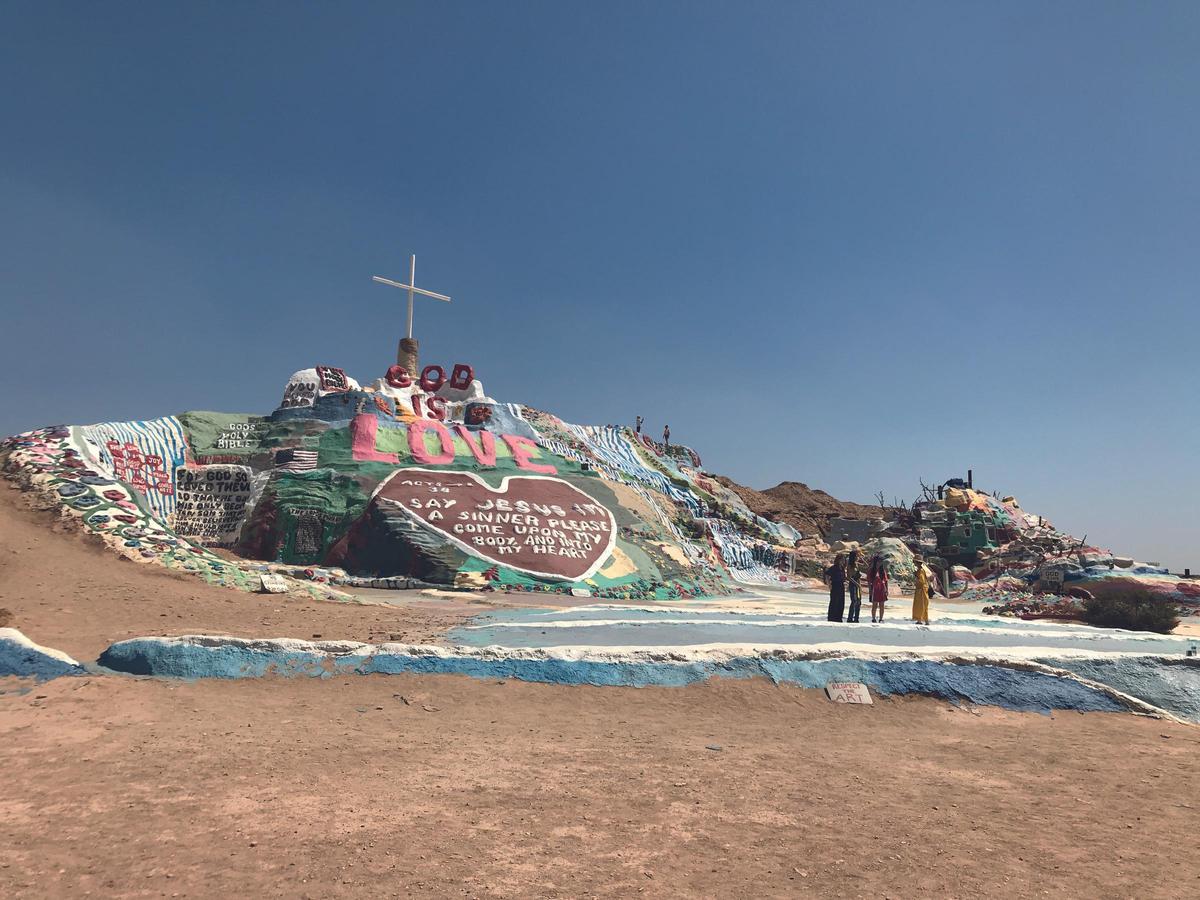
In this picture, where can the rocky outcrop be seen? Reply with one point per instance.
(806, 509)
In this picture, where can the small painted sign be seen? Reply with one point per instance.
(848, 692)
(273, 583)
(580, 592)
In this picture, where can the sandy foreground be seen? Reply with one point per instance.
(448, 786)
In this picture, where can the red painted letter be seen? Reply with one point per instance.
(521, 448)
(437, 408)
(362, 441)
(461, 377)
(484, 451)
(416, 442)
(428, 383)
(397, 376)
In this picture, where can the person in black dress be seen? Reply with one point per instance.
(835, 576)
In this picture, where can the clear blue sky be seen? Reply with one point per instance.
(842, 243)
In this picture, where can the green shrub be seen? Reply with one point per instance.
(1133, 612)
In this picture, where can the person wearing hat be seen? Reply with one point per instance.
(920, 608)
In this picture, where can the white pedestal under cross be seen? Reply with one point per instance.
(411, 288)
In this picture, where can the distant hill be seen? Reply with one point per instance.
(806, 509)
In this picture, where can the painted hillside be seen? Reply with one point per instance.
(421, 478)
(426, 480)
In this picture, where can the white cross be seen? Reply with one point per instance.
(411, 288)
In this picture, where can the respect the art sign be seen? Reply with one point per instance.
(273, 583)
(847, 692)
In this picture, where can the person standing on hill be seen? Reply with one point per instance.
(835, 577)
(666, 437)
(920, 608)
(877, 584)
(853, 576)
(638, 429)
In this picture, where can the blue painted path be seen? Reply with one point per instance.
(211, 657)
(696, 626)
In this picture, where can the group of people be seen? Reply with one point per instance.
(846, 572)
(666, 432)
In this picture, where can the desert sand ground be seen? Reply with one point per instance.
(447, 786)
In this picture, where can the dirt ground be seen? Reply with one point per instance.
(66, 591)
(446, 786)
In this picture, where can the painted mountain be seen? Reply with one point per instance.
(419, 477)
(424, 479)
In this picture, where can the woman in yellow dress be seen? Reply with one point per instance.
(920, 609)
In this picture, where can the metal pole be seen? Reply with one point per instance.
(412, 282)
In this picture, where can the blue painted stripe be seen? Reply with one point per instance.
(737, 555)
(981, 684)
(22, 658)
(610, 444)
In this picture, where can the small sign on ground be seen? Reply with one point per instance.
(273, 583)
(847, 692)
(580, 592)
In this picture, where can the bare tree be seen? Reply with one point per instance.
(927, 493)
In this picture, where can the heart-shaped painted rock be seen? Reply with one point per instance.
(536, 524)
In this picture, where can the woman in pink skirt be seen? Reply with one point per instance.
(877, 580)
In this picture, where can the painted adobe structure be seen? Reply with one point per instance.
(416, 476)
(422, 477)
